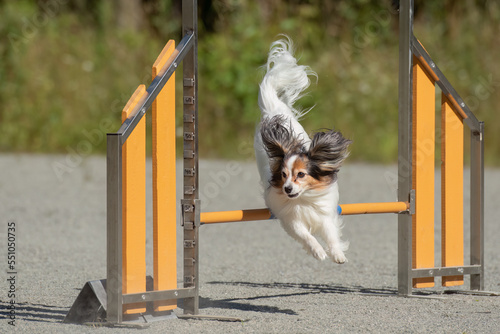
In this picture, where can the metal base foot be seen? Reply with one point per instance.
(211, 317)
(90, 308)
(473, 292)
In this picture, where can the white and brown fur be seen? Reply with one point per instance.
(299, 173)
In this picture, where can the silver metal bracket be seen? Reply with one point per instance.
(188, 118)
(188, 100)
(188, 136)
(187, 207)
(190, 206)
(189, 243)
(189, 171)
(412, 202)
(189, 190)
(188, 82)
(188, 154)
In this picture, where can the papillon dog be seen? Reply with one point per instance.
(299, 173)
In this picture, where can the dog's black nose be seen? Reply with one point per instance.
(288, 190)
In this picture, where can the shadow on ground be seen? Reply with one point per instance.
(34, 312)
(298, 290)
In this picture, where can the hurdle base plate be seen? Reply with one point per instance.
(148, 317)
(472, 292)
(113, 325)
(140, 321)
(90, 307)
(441, 294)
(211, 317)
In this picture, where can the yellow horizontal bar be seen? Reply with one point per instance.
(366, 208)
(263, 214)
(234, 216)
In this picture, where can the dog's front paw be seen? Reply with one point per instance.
(318, 253)
(338, 257)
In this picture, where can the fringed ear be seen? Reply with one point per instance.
(279, 141)
(327, 152)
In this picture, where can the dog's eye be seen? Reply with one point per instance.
(283, 174)
(301, 174)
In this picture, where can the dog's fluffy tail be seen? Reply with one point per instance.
(284, 81)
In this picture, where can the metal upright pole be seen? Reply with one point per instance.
(190, 203)
(114, 311)
(477, 207)
(405, 146)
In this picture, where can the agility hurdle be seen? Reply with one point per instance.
(129, 295)
(264, 214)
(418, 76)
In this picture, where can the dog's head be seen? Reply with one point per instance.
(296, 169)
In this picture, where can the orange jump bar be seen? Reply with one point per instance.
(366, 208)
(234, 216)
(263, 214)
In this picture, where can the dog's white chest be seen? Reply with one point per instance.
(309, 211)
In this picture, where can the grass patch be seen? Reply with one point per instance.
(64, 78)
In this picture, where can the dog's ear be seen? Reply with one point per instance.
(278, 140)
(327, 152)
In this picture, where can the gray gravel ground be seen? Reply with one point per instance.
(248, 270)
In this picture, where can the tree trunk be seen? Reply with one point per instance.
(129, 14)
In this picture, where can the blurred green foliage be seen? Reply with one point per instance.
(67, 68)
